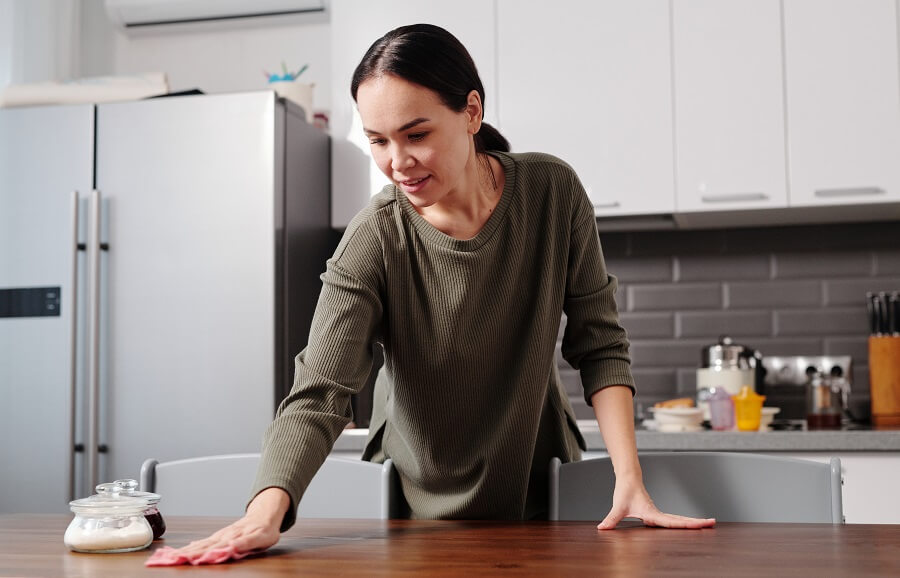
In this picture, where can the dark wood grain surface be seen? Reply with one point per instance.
(32, 545)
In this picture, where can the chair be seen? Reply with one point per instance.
(731, 487)
(220, 486)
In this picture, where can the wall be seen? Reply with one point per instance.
(796, 290)
(6, 41)
(36, 40)
(61, 39)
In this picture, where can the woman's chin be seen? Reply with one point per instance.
(419, 201)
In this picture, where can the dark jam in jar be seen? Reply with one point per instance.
(157, 524)
(823, 421)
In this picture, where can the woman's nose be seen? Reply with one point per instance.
(401, 159)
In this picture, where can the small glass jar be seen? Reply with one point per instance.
(721, 410)
(105, 524)
(154, 518)
(825, 401)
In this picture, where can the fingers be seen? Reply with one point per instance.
(662, 520)
(241, 536)
(612, 519)
(655, 518)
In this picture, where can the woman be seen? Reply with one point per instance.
(461, 268)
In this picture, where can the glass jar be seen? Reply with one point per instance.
(108, 523)
(154, 518)
(825, 399)
(721, 410)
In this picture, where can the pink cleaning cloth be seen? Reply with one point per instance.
(168, 556)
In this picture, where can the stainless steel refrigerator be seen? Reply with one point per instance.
(159, 266)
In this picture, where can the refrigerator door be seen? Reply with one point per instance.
(46, 154)
(188, 316)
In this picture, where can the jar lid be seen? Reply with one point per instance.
(129, 488)
(115, 498)
(113, 505)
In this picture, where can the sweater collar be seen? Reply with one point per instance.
(430, 232)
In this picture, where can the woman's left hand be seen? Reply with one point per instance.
(631, 500)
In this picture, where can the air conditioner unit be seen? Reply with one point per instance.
(138, 14)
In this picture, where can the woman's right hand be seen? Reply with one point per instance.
(258, 530)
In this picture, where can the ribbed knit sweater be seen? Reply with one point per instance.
(469, 407)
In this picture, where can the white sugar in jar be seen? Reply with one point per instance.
(105, 524)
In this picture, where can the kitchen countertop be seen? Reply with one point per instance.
(851, 440)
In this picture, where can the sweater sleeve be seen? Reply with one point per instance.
(335, 364)
(593, 342)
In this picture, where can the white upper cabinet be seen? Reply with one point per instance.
(355, 25)
(590, 82)
(729, 105)
(843, 106)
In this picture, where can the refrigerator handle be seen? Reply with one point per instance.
(93, 413)
(73, 341)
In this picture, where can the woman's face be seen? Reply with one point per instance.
(420, 144)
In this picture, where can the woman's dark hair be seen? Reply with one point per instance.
(430, 56)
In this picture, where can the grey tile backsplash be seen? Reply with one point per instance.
(796, 290)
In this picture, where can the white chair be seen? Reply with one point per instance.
(220, 486)
(731, 487)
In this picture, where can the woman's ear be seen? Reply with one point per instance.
(474, 111)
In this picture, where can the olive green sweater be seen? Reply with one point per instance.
(469, 407)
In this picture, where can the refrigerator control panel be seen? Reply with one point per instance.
(30, 302)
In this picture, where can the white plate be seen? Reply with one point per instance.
(678, 427)
(679, 411)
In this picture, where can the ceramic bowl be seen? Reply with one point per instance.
(678, 418)
(768, 414)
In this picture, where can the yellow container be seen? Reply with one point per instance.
(748, 409)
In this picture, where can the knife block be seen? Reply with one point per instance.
(884, 380)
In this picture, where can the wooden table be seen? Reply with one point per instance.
(31, 545)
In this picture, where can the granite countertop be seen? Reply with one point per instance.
(852, 440)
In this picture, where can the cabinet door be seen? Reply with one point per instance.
(354, 27)
(729, 105)
(842, 101)
(590, 82)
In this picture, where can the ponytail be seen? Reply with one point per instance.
(489, 139)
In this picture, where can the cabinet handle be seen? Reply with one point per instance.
(734, 197)
(609, 205)
(851, 192)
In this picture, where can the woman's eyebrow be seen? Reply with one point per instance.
(406, 126)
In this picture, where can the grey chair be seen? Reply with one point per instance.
(731, 487)
(220, 486)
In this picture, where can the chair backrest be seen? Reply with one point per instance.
(220, 486)
(731, 487)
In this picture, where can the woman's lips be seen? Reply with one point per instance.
(414, 185)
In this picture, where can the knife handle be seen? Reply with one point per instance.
(894, 313)
(872, 313)
(882, 313)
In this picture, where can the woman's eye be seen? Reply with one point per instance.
(376, 141)
(417, 136)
